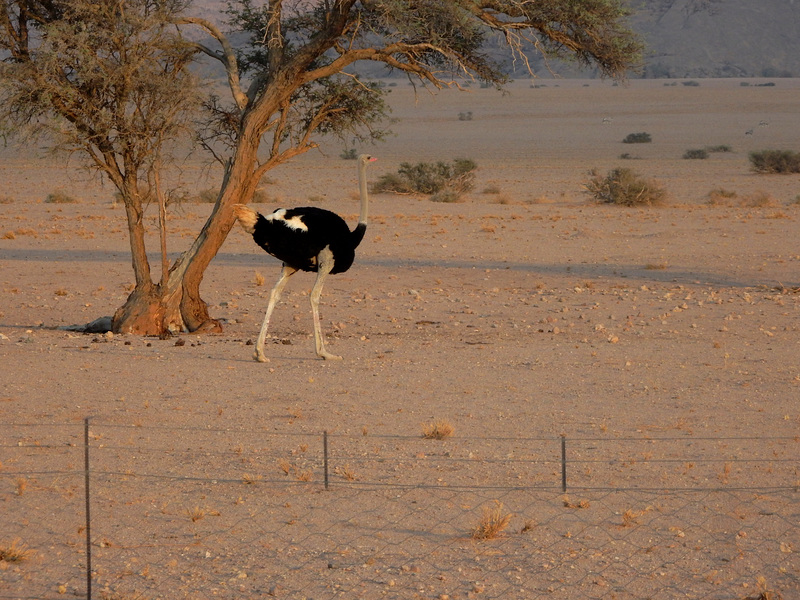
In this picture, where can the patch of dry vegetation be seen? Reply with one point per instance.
(15, 551)
(493, 522)
(624, 187)
(437, 430)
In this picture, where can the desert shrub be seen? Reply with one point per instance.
(465, 116)
(625, 188)
(60, 197)
(691, 83)
(759, 199)
(393, 183)
(437, 430)
(638, 138)
(695, 154)
(207, 196)
(349, 154)
(775, 161)
(260, 196)
(429, 178)
(719, 148)
(719, 196)
(447, 195)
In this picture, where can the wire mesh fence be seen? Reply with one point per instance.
(210, 513)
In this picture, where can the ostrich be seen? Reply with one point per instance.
(306, 239)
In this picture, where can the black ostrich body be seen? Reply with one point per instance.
(306, 239)
(296, 236)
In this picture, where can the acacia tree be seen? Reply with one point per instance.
(290, 81)
(109, 80)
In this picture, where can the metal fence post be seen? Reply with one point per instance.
(325, 456)
(88, 508)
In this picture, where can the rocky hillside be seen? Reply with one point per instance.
(720, 38)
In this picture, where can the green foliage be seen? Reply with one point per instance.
(625, 188)
(698, 153)
(448, 180)
(637, 138)
(60, 197)
(775, 161)
(108, 82)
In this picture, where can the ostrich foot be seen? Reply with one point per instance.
(258, 355)
(328, 356)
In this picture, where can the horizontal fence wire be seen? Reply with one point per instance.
(219, 513)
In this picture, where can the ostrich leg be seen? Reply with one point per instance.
(274, 296)
(325, 265)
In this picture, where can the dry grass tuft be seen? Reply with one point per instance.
(108, 594)
(493, 522)
(16, 551)
(346, 472)
(437, 430)
(195, 514)
(631, 517)
(579, 504)
(764, 593)
(258, 279)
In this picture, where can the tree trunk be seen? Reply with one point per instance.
(142, 313)
(176, 305)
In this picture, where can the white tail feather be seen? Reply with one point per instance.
(247, 217)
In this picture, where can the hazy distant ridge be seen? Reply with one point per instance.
(720, 38)
(695, 38)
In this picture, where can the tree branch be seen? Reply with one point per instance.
(227, 57)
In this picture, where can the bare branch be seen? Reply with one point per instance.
(227, 57)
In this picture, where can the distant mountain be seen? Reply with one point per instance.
(720, 38)
(685, 38)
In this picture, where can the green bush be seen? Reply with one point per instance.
(429, 178)
(638, 138)
(625, 188)
(698, 153)
(446, 195)
(775, 161)
(60, 197)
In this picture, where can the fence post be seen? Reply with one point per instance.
(564, 463)
(88, 514)
(325, 457)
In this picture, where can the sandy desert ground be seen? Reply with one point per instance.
(526, 311)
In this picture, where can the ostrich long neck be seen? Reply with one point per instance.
(362, 192)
